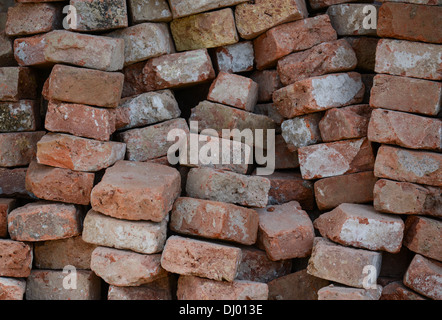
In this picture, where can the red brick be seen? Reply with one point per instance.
(17, 83)
(16, 259)
(149, 10)
(160, 289)
(84, 86)
(6, 49)
(409, 22)
(409, 166)
(320, 4)
(12, 289)
(12, 182)
(406, 94)
(333, 292)
(291, 37)
(18, 148)
(302, 131)
(268, 82)
(348, 19)
(23, 115)
(423, 236)
(6, 205)
(397, 291)
(285, 231)
(185, 8)
(234, 58)
(424, 277)
(365, 50)
(137, 191)
(285, 159)
(59, 184)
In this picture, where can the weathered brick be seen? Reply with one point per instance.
(57, 184)
(186, 8)
(397, 291)
(41, 221)
(16, 258)
(341, 264)
(268, 82)
(6, 205)
(413, 22)
(149, 11)
(12, 289)
(319, 93)
(415, 199)
(144, 41)
(291, 37)
(195, 288)
(18, 148)
(205, 259)
(126, 268)
(61, 46)
(365, 50)
(409, 166)
(424, 276)
(253, 19)
(234, 58)
(423, 236)
(12, 182)
(267, 109)
(285, 231)
(137, 191)
(230, 187)
(285, 159)
(406, 94)
(160, 289)
(345, 123)
(426, 2)
(327, 57)
(214, 220)
(84, 86)
(48, 285)
(336, 158)
(348, 19)
(6, 49)
(302, 131)
(23, 115)
(348, 188)
(205, 30)
(139, 236)
(333, 292)
(405, 130)
(78, 154)
(56, 254)
(320, 4)
(18, 83)
(409, 59)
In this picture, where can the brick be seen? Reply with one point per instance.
(302, 131)
(409, 59)
(230, 187)
(253, 19)
(140, 236)
(409, 22)
(205, 259)
(341, 264)
(415, 199)
(256, 266)
(61, 46)
(397, 291)
(169, 71)
(18, 148)
(126, 268)
(333, 292)
(57, 184)
(291, 37)
(285, 159)
(194, 288)
(137, 191)
(12, 182)
(146, 108)
(48, 285)
(296, 286)
(367, 80)
(409, 166)
(33, 18)
(157, 290)
(319, 94)
(3, 18)
(16, 258)
(361, 226)
(320, 4)
(345, 123)
(394, 265)
(234, 90)
(99, 16)
(336, 158)
(235, 58)
(6, 50)
(23, 115)
(268, 82)
(348, 19)
(365, 50)
(149, 11)
(18, 83)
(78, 154)
(423, 236)
(327, 57)
(214, 220)
(267, 109)
(348, 188)
(285, 231)
(151, 142)
(6, 205)
(56, 254)
(41, 221)
(405, 130)
(84, 86)
(426, 2)
(12, 289)
(144, 41)
(205, 30)
(287, 186)
(186, 8)
(424, 277)
(80, 120)
(406, 94)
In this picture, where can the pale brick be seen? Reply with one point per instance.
(348, 19)
(23, 115)
(184, 8)
(302, 131)
(333, 292)
(235, 58)
(18, 148)
(16, 258)
(423, 235)
(18, 83)
(149, 10)
(12, 289)
(424, 277)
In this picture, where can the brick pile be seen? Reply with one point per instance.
(352, 210)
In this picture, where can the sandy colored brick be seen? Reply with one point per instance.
(149, 11)
(302, 131)
(23, 115)
(18, 83)
(235, 58)
(184, 8)
(348, 19)
(160, 289)
(423, 236)
(12, 289)
(137, 191)
(16, 258)
(268, 82)
(424, 276)
(18, 148)
(6, 205)
(333, 292)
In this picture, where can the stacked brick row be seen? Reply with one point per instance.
(91, 188)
